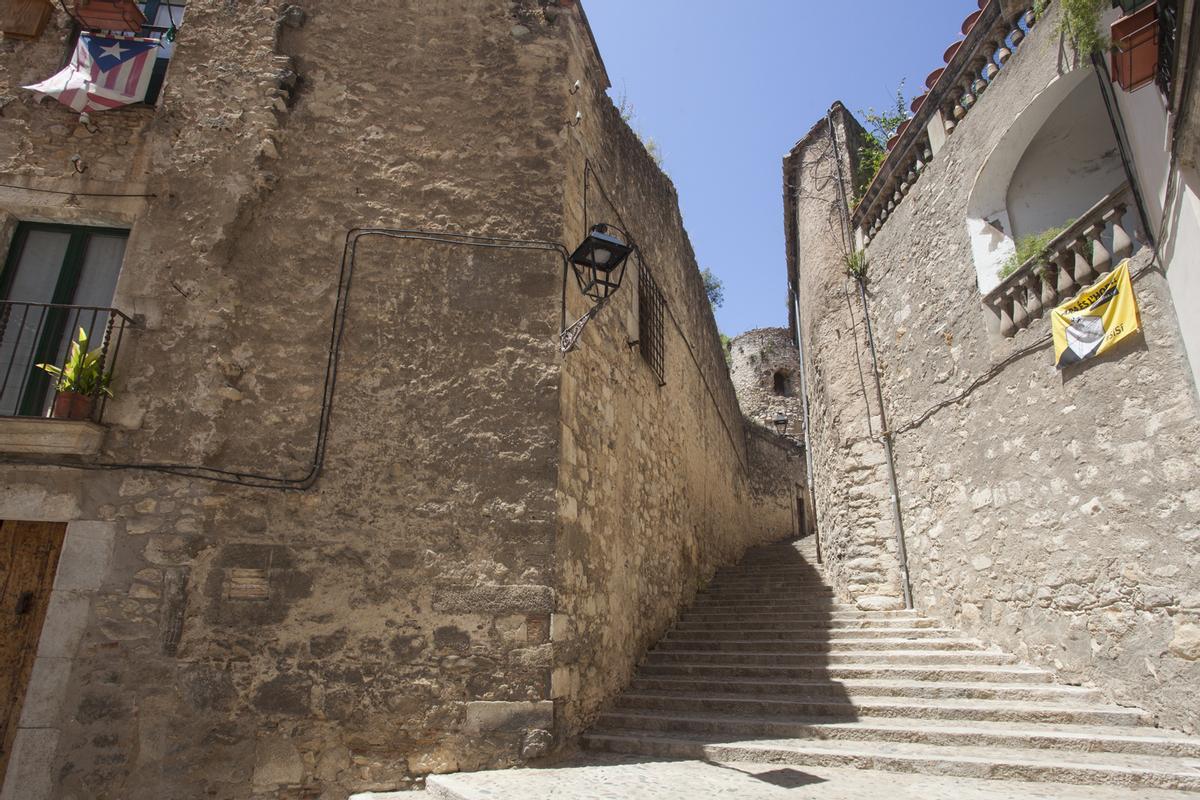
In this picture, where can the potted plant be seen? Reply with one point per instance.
(80, 381)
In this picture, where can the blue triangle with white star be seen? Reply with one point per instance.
(110, 53)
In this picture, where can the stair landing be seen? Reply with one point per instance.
(609, 777)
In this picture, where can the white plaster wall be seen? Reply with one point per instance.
(1145, 116)
(1146, 123)
(1071, 163)
(1183, 275)
(989, 193)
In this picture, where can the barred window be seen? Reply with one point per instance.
(651, 310)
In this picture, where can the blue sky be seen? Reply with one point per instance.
(727, 88)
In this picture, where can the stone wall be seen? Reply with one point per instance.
(657, 484)
(394, 593)
(1054, 513)
(756, 357)
(850, 486)
(393, 619)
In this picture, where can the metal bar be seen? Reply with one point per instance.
(37, 348)
(13, 360)
(116, 349)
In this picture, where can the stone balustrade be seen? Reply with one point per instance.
(1078, 256)
(992, 35)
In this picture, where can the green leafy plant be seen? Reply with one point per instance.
(629, 117)
(1031, 246)
(856, 264)
(1080, 23)
(726, 348)
(83, 373)
(714, 288)
(881, 127)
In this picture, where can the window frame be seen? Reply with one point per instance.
(69, 273)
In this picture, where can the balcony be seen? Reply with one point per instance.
(34, 416)
(991, 36)
(1092, 246)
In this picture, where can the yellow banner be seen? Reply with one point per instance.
(1093, 321)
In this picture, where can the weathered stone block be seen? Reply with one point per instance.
(488, 715)
(494, 600)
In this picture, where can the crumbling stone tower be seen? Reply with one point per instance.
(765, 366)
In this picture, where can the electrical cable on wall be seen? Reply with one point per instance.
(72, 194)
(259, 480)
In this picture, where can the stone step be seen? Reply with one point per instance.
(821, 627)
(995, 763)
(792, 632)
(773, 593)
(977, 690)
(929, 673)
(844, 615)
(951, 658)
(750, 582)
(673, 642)
(948, 733)
(769, 606)
(852, 707)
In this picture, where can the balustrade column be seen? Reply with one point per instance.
(1083, 265)
(1049, 295)
(1122, 247)
(1033, 295)
(1004, 312)
(1066, 277)
(1020, 317)
(1101, 258)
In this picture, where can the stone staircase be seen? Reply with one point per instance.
(769, 667)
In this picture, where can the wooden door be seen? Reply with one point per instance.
(28, 556)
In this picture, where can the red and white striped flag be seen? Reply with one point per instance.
(104, 73)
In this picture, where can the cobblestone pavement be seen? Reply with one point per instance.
(600, 777)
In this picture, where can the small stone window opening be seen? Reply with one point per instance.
(652, 309)
(783, 384)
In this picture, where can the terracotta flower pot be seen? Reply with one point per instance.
(72, 405)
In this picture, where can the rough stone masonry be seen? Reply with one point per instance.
(1055, 514)
(496, 532)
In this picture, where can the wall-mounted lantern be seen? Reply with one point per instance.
(780, 422)
(599, 265)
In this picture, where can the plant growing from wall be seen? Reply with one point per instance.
(1080, 24)
(856, 265)
(881, 127)
(1031, 246)
(714, 288)
(628, 116)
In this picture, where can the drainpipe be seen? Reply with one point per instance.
(808, 461)
(886, 434)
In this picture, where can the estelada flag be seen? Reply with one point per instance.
(104, 73)
(1093, 321)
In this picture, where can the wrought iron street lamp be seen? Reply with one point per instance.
(599, 265)
(780, 422)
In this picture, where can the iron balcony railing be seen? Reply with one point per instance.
(42, 333)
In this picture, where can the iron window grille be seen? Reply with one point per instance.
(652, 309)
(1168, 27)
